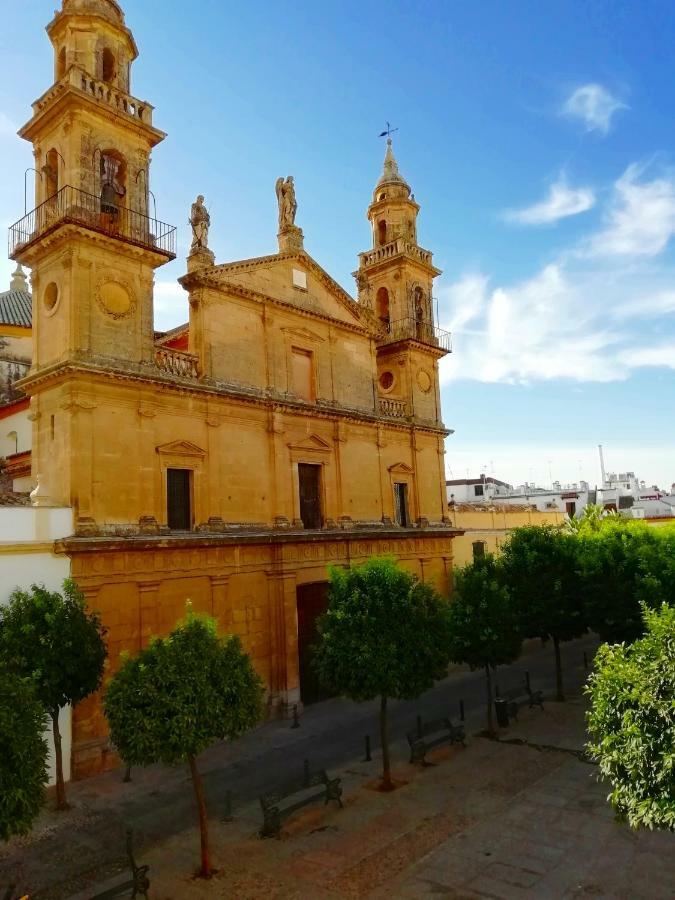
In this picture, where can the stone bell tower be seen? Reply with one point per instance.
(92, 241)
(395, 283)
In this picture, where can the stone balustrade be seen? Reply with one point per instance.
(175, 362)
(100, 90)
(395, 248)
(394, 409)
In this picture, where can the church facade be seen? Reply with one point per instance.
(285, 428)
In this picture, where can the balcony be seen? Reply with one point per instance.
(175, 362)
(72, 206)
(100, 90)
(415, 330)
(395, 248)
(393, 409)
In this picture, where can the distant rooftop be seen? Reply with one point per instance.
(16, 305)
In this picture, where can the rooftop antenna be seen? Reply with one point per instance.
(602, 465)
(388, 133)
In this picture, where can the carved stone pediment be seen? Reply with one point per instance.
(401, 468)
(181, 448)
(304, 334)
(312, 443)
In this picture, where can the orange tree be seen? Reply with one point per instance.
(23, 755)
(54, 641)
(179, 696)
(384, 635)
(484, 629)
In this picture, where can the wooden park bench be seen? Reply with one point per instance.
(280, 803)
(432, 734)
(138, 884)
(519, 696)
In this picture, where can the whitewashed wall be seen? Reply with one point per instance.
(26, 557)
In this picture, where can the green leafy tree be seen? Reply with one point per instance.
(23, 755)
(622, 565)
(483, 622)
(384, 635)
(632, 722)
(55, 641)
(179, 696)
(540, 569)
(591, 519)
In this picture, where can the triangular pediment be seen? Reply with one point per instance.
(181, 448)
(401, 468)
(304, 333)
(293, 278)
(312, 443)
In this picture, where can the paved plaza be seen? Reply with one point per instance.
(520, 817)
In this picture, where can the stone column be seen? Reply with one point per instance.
(220, 608)
(148, 605)
(284, 667)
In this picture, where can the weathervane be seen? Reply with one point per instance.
(388, 133)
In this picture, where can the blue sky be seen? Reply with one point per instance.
(538, 138)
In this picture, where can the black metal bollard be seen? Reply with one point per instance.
(527, 679)
(461, 710)
(585, 660)
(296, 717)
(127, 775)
(227, 817)
(306, 773)
(419, 726)
(368, 758)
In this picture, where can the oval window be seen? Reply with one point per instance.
(51, 296)
(387, 381)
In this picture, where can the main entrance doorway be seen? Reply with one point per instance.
(312, 602)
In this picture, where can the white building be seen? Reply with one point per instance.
(569, 499)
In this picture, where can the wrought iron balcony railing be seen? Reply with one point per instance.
(73, 206)
(416, 330)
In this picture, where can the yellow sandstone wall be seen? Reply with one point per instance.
(493, 527)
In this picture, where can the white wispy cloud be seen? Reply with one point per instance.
(594, 105)
(662, 355)
(641, 217)
(562, 201)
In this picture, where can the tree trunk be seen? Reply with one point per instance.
(558, 671)
(490, 719)
(61, 803)
(387, 783)
(205, 871)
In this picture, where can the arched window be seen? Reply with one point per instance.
(382, 305)
(108, 68)
(61, 64)
(113, 181)
(51, 171)
(382, 232)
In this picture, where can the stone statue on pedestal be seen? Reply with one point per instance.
(200, 220)
(288, 205)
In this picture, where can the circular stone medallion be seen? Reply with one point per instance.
(424, 380)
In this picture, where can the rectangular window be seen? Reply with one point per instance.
(309, 478)
(303, 374)
(401, 504)
(478, 549)
(478, 490)
(179, 499)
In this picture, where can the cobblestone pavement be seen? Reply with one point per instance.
(497, 819)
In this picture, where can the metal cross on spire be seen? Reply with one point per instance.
(388, 133)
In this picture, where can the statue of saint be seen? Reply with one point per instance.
(288, 205)
(200, 220)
